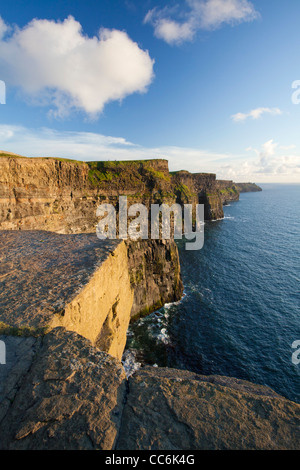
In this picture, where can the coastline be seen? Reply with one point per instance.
(64, 378)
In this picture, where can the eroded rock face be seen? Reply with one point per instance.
(87, 285)
(168, 409)
(62, 196)
(229, 191)
(154, 275)
(75, 281)
(248, 187)
(66, 395)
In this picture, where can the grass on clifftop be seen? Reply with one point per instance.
(107, 171)
(23, 331)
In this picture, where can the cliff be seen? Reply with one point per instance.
(58, 392)
(229, 191)
(66, 300)
(90, 286)
(248, 187)
(62, 195)
(74, 281)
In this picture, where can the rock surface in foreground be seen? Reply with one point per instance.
(60, 392)
(169, 409)
(70, 397)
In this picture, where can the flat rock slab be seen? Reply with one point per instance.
(167, 409)
(65, 394)
(40, 272)
(18, 356)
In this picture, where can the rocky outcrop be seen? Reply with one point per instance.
(58, 392)
(248, 187)
(229, 191)
(168, 409)
(62, 195)
(90, 286)
(63, 394)
(199, 188)
(75, 281)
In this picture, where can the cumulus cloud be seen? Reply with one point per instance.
(56, 64)
(256, 114)
(268, 165)
(176, 25)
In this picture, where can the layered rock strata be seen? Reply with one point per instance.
(75, 281)
(84, 284)
(63, 195)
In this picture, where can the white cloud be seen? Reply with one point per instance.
(268, 164)
(200, 14)
(213, 13)
(56, 64)
(93, 146)
(256, 114)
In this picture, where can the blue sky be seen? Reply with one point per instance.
(206, 84)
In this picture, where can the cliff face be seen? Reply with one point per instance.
(248, 187)
(64, 296)
(228, 190)
(90, 286)
(154, 275)
(62, 196)
(74, 281)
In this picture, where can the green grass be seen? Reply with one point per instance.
(23, 331)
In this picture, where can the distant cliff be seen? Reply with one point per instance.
(229, 191)
(248, 187)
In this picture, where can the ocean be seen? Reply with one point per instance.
(240, 313)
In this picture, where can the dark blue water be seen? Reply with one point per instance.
(241, 311)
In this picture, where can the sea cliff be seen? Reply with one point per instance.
(67, 299)
(62, 195)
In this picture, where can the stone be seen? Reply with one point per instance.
(70, 398)
(168, 409)
(50, 280)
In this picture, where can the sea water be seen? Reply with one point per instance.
(240, 313)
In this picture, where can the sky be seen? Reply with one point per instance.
(210, 85)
